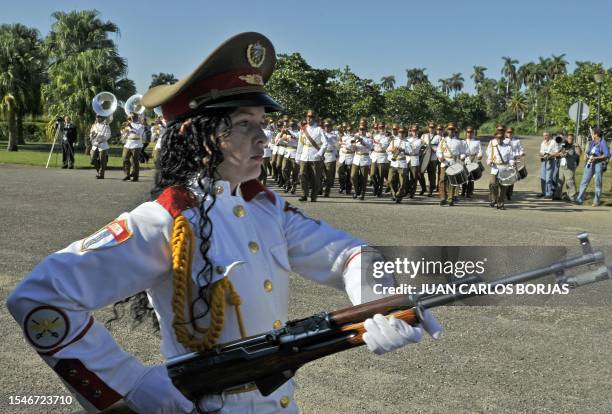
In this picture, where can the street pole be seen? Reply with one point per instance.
(598, 102)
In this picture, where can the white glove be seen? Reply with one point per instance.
(511, 162)
(154, 393)
(384, 335)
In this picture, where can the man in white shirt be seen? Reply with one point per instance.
(362, 144)
(330, 156)
(380, 162)
(499, 155)
(414, 151)
(450, 151)
(399, 167)
(99, 134)
(549, 150)
(311, 149)
(132, 134)
(345, 160)
(290, 169)
(473, 153)
(432, 138)
(517, 152)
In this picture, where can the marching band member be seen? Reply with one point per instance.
(499, 153)
(331, 155)
(432, 139)
(396, 151)
(450, 151)
(273, 161)
(311, 149)
(281, 145)
(362, 144)
(380, 160)
(99, 135)
(266, 166)
(518, 152)
(414, 152)
(473, 153)
(133, 134)
(157, 133)
(291, 167)
(238, 228)
(345, 161)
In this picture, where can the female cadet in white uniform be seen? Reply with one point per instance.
(210, 218)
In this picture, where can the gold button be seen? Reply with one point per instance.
(220, 269)
(239, 211)
(268, 285)
(277, 324)
(97, 394)
(284, 401)
(219, 189)
(253, 247)
(84, 382)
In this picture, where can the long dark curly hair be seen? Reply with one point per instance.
(190, 150)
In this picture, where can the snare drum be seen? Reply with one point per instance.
(521, 170)
(506, 176)
(457, 174)
(474, 170)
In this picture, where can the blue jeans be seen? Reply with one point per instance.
(587, 174)
(546, 177)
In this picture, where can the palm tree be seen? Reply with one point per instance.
(84, 61)
(456, 82)
(21, 74)
(509, 71)
(162, 79)
(558, 65)
(445, 85)
(518, 104)
(478, 75)
(415, 76)
(387, 82)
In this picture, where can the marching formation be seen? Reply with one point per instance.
(390, 160)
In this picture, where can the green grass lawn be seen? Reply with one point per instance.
(37, 154)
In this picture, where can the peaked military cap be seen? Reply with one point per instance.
(233, 75)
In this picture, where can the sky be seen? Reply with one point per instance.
(374, 38)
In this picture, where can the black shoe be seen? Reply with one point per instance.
(98, 177)
(354, 196)
(71, 167)
(492, 204)
(430, 195)
(341, 191)
(362, 196)
(442, 202)
(508, 197)
(468, 196)
(286, 190)
(326, 195)
(293, 190)
(135, 179)
(398, 200)
(540, 195)
(127, 178)
(303, 198)
(393, 198)
(64, 166)
(422, 192)
(313, 199)
(451, 203)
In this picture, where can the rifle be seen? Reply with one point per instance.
(270, 359)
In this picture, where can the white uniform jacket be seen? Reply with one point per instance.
(517, 148)
(280, 144)
(134, 135)
(269, 144)
(450, 150)
(54, 303)
(414, 148)
(362, 150)
(290, 140)
(473, 150)
(100, 133)
(400, 159)
(306, 151)
(432, 140)
(499, 154)
(347, 151)
(331, 152)
(380, 143)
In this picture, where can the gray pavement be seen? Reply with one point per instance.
(490, 359)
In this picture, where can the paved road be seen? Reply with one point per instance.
(490, 359)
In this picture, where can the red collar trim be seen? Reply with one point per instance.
(251, 188)
(176, 200)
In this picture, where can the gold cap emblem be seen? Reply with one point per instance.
(252, 79)
(256, 54)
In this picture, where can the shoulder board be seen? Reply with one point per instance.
(176, 200)
(251, 188)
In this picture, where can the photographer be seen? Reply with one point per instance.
(596, 156)
(67, 132)
(568, 162)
